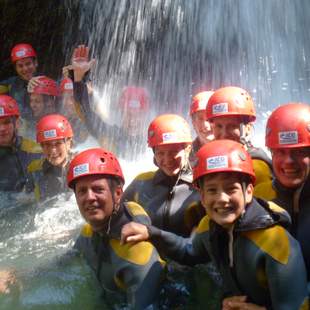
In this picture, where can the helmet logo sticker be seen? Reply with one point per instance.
(288, 137)
(217, 162)
(1, 111)
(21, 53)
(169, 136)
(220, 108)
(134, 104)
(50, 133)
(80, 169)
(151, 133)
(68, 86)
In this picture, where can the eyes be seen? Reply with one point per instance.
(80, 191)
(229, 189)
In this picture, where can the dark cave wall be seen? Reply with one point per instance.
(50, 26)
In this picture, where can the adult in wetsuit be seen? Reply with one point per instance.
(231, 112)
(132, 272)
(16, 152)
(288, 137)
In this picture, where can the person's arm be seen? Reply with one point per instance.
(7, 280)
(5, 86)
(139, 272)
(239, 303)
(287, 278)
(80, 67)
(186, 251)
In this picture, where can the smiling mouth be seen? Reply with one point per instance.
(290, 172)
(225, 211)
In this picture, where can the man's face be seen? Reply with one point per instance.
(223, 197)
(26, 68)
(57, 151)
(94, 198)
(291, 165)
(170, 158)
(228, 127)
(7, 131)
(202, 127)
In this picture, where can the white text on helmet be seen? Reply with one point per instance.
(80, 169)
(220, 108)
(217, 162)
(50, 133)
(288, 137)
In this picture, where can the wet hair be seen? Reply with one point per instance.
(242, 178)
(113, 182)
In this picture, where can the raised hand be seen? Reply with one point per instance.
(35, 81)
(80, 62)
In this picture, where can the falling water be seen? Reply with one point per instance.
(174, 48)
(177, 48)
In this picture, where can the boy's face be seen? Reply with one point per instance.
(291, 165)
(26, 68)
(228, 127)
(202, 126)
(223, 198)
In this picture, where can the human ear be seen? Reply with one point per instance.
(249, 193)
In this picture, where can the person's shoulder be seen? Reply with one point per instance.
(134, 209)
(86, 231)
(145, 176)
(204, 225)
(139, 253)
(30, 146)
(10, 80)
(265, 190)
(274, 241)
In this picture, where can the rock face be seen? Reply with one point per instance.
(43, 25)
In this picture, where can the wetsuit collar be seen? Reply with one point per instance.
(161, 178)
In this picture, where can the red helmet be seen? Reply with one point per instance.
(8, 107)
(134, 98)
(93, 162)
(47, 86)
(231, 101)
(223, 156)
(168, 129)
(53, 127)
(288, 126)
(199, 102)
(66, 86)
(21, 51)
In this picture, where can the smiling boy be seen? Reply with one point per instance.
(260, 262)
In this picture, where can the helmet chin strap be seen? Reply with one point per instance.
(299, 190)
(14, 121)
(115, 207)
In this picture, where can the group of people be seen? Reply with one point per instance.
(214, 200)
